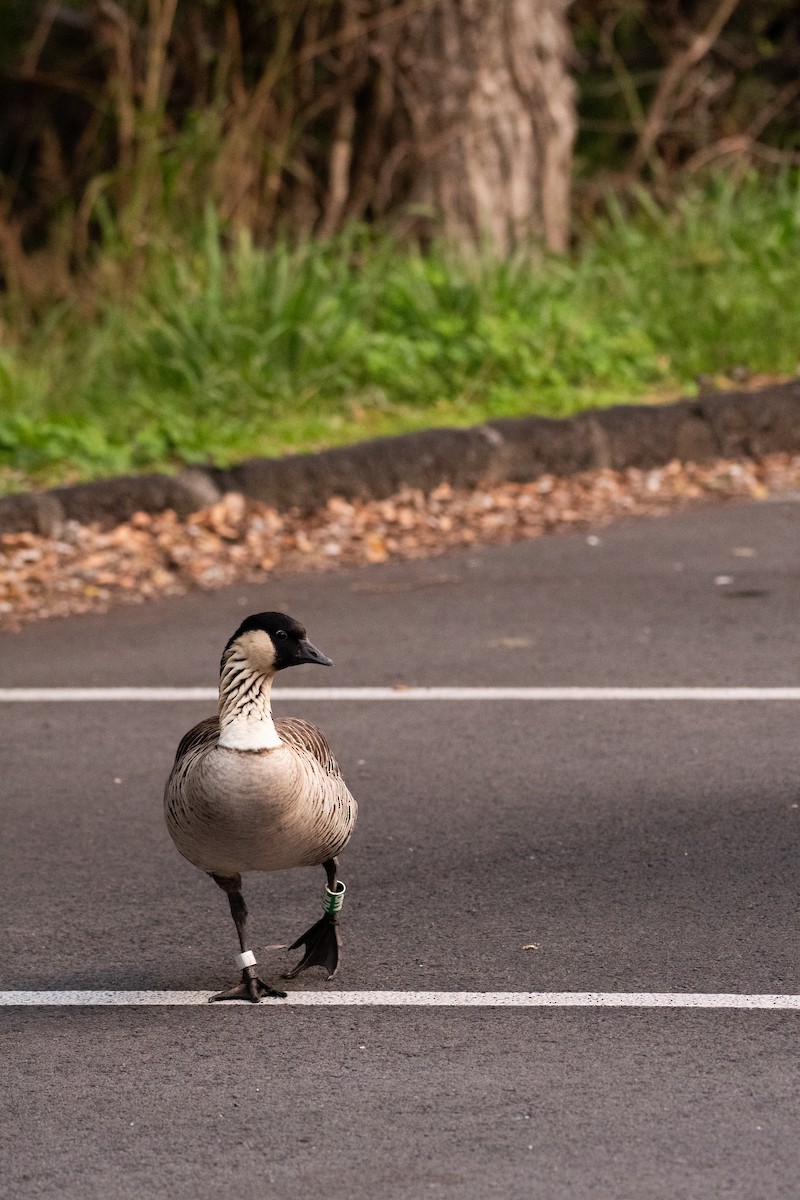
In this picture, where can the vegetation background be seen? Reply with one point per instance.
(232, 228)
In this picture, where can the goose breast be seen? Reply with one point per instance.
(230, 811)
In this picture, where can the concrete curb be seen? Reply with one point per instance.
(727, 425)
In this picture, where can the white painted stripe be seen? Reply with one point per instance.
(205, 694)
(67, 694)
(428, 999)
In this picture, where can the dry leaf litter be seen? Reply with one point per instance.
(88, 568)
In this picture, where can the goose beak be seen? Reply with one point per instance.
(310, 654)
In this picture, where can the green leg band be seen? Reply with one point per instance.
(332, 904)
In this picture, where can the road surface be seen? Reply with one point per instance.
(505, 846)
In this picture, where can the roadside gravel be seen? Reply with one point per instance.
(87, 569)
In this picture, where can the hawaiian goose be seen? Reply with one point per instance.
(247, 793)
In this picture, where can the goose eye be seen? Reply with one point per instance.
(281, 635)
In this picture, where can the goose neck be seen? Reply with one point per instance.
(245, 710)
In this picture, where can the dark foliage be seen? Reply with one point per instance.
(287, 113)
(677, 87)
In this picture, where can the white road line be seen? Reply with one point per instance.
(427, 999)
(106, 694)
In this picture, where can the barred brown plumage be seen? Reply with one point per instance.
(292, 730)
(248, 793)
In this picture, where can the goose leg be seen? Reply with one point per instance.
(322, 941)
(251, 988)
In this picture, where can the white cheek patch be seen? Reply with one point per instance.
(258, 651)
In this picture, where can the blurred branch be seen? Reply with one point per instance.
(779, 102)
(670, 81)
(622, 77)
(360, 26)
(40, 35)
(743, 148)
(58, 82)
(161, 19)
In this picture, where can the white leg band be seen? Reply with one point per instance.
(247, 959)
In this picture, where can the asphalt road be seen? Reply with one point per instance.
(637, 846)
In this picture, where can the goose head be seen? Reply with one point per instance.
(272, 641)
(263, 644)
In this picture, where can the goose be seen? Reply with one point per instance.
(249, 793)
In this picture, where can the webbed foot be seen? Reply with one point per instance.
(251, 988)
(322, 945)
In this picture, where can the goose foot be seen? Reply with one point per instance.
(322, 945)
(251, 988)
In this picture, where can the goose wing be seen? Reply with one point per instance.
(200, 737)
(302, 735)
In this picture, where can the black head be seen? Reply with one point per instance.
(275, 641)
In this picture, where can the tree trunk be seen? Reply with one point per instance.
(492, 118)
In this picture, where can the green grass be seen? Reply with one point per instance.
(224, 351)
